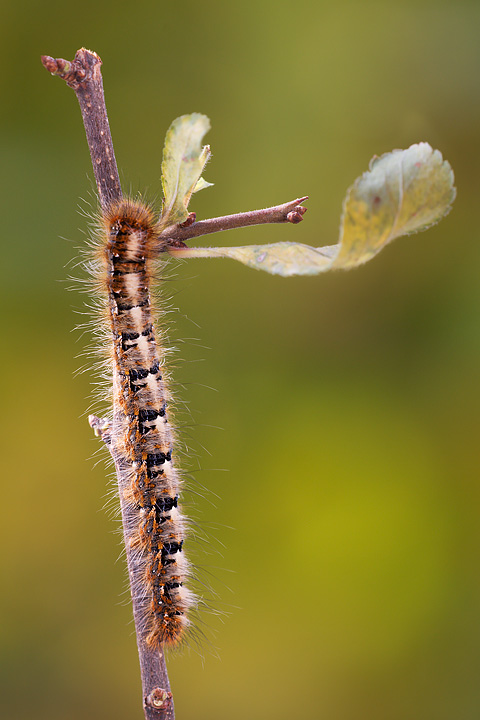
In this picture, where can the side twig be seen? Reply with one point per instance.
(291, 212)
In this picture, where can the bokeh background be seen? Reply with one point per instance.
(336, 458)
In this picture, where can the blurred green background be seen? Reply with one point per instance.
(343, 540)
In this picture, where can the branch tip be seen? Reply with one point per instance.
(56, 66)
(83, 74)
(74, 72)
(294, 217)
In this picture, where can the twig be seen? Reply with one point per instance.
(288, 212)
(84, 76)
(157, 696)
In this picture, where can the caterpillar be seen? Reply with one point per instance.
(142, 437)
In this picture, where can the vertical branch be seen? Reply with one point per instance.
(84, 76)
(157, 696)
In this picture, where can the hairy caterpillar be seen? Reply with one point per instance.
(142, 438)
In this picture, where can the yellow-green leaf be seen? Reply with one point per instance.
(403, 191)
(285, 258)
(183, 162)
(202, 184)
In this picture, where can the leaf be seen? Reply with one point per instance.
(202, 184)
(183, 162)
(285, 258)
(403, 192)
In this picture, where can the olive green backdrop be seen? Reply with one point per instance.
(342, 539)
